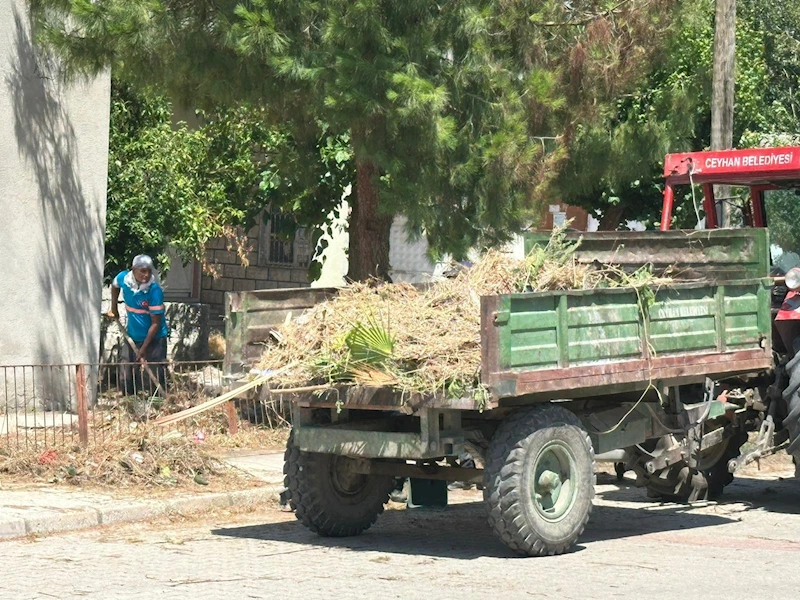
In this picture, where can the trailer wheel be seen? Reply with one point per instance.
(791, 395)
(539, 480)
(327, 498)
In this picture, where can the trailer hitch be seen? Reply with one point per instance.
(765, 445)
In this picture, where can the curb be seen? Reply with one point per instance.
(132, 512)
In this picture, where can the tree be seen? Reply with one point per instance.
(615, 166)
(172, 185)
(457, 112)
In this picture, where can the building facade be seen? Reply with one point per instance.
(53, 170)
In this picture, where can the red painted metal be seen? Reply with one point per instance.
(233, 418)
(83, 405)
(744, 167)
(789, 309)
(759, 168)
(757, 198)
(709, 205)
(605, 376)
(666, 209)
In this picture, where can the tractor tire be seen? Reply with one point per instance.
(791, 396)
(328, 499)
(539, 480)
(718, 476)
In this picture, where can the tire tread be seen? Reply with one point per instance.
(505, 464)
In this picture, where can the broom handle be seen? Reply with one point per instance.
(144, 365)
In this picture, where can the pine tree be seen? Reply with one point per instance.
(458, 112)
(615, 164)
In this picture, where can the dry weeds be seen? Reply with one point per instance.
(434, 332)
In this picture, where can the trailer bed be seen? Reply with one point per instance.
(576, 343)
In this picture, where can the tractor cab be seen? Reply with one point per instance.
(765, 183)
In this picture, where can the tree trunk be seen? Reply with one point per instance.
(611, 218)
(722, 93)
(369, 229)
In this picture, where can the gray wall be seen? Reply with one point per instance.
(53, 169)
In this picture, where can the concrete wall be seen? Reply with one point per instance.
(334, 255)
(408, 258)
(232, 276)
(53, 170)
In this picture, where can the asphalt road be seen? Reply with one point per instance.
(745, 547)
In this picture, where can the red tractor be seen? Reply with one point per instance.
(766, 180)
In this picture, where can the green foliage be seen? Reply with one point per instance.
(615, 166)
(783, 214)
(370, 343)
(782, 206)
(777, 24)
(463, 109)
(180, 186)
(556, 254)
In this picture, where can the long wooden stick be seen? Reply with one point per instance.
(196, 410)
(144, 365)
(200, 408)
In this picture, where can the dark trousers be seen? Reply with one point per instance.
(134, 378)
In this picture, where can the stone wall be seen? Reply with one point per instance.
(233, 276)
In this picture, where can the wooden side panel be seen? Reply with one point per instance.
(603, 327)
(532, 336)
(712, 255)
(683, 320)
(250, 317)
(742, 316)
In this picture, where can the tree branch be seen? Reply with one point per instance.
(582, 22)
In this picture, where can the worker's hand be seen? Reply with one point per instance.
(113, 314)
(140, 356)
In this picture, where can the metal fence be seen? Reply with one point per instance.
(42, 406)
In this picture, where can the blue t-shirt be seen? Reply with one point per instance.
(139, 306)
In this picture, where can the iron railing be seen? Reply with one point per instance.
(42, 406)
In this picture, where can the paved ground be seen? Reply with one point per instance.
(747, 547)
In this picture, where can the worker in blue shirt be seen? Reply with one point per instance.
(147, 324)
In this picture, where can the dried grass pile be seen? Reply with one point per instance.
(135, 461)
(423, 340)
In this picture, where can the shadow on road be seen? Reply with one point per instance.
(461, 531)
(780, 495)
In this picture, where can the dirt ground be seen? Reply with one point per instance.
(23, 469)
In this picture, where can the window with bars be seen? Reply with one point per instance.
(275, 249)
(280, 251)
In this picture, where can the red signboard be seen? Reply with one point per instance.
(734, 166)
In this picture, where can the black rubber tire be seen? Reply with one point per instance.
(718, 475)
(512, 454)
(317, 502)
(791, 396)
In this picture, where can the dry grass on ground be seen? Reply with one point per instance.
(147, 460)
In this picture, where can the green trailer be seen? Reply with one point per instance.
(665, 382)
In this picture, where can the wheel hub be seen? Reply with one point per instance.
(554, 472)
(345, 480)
